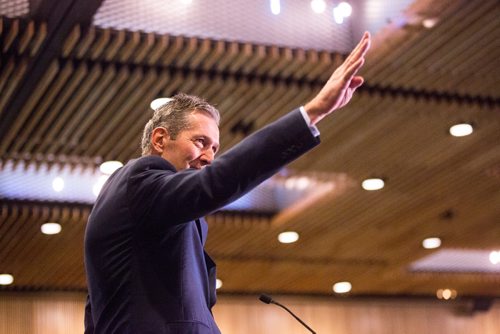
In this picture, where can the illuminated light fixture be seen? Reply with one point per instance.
(373, 184)
(429, 23)
(342, 287)
(341, 11)
(6, 279)
(288, 237)
(318, 6)
(58, 184)
(446, 294)
(345, 9)
(297, 183)
(461, 130)
(431, 243)
(218, 284)
(495, 257)
(157, 103)
(96, 189)
(50, 228)
(109, 167)
(302, 183)
(275, 7)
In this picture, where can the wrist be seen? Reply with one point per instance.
(314, 113)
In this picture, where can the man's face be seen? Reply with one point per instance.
(194, 147)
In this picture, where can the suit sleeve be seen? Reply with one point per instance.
(183, 196)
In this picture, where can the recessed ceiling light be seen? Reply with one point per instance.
(446, 294)
(275, 7)
(288, 237)
(58, 184)
(50, 228)
(218, 284)
(373, 184)
(461, 130)
(430, 22)
(342, 287)
(109, 167)
(6, 279)
(345, 9)
(297, 183)
(157, 103)
(431, 243)
(318, 6)
(495, 257)
(96, 189)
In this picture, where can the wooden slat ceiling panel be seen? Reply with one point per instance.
(93, 102)
(458, 55)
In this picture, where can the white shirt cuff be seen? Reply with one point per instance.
(313, 128)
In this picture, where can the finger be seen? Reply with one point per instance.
(353, 68)
(358, 54)
(360, 48)
(356, 82)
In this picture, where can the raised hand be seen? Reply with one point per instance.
(338, 90)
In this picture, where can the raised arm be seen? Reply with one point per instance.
(338, 90)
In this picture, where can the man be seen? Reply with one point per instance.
(147, 270)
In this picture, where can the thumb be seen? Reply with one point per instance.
(356, 82)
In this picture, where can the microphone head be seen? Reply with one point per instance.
(265, 298)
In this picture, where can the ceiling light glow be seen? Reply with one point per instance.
(345, 9)
(6, 279)
(342, 287)
(50, 228)
(373, 184)
(109, 167)
(431, 243)
(275, 7)
(318, 6)
(495, 257)
(337, 16)
(341, 11)
(429, 23)
(218, 284)
(96, 189)
(461, 130)
(157, 103)
(58, 184)
(446, 294)
(288, 237)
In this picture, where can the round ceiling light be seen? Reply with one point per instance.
(157, 103)
(6, 279)
(373, 184)
(109, 167)
(50, 228)
(342, 287)
(461, 130)
(288, 237)
(431, 243)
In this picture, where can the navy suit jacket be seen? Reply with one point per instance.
(147, 271)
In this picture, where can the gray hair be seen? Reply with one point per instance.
(173, 116)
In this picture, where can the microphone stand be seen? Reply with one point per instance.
(267, 299)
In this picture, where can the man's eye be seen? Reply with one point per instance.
(200, 141)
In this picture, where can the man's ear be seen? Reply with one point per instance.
(158, 140)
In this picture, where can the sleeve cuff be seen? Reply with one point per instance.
(314, 130)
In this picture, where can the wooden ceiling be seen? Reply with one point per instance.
(72, 93)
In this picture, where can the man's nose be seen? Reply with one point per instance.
(207, 157)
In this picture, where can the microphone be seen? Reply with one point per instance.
(268, 300)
